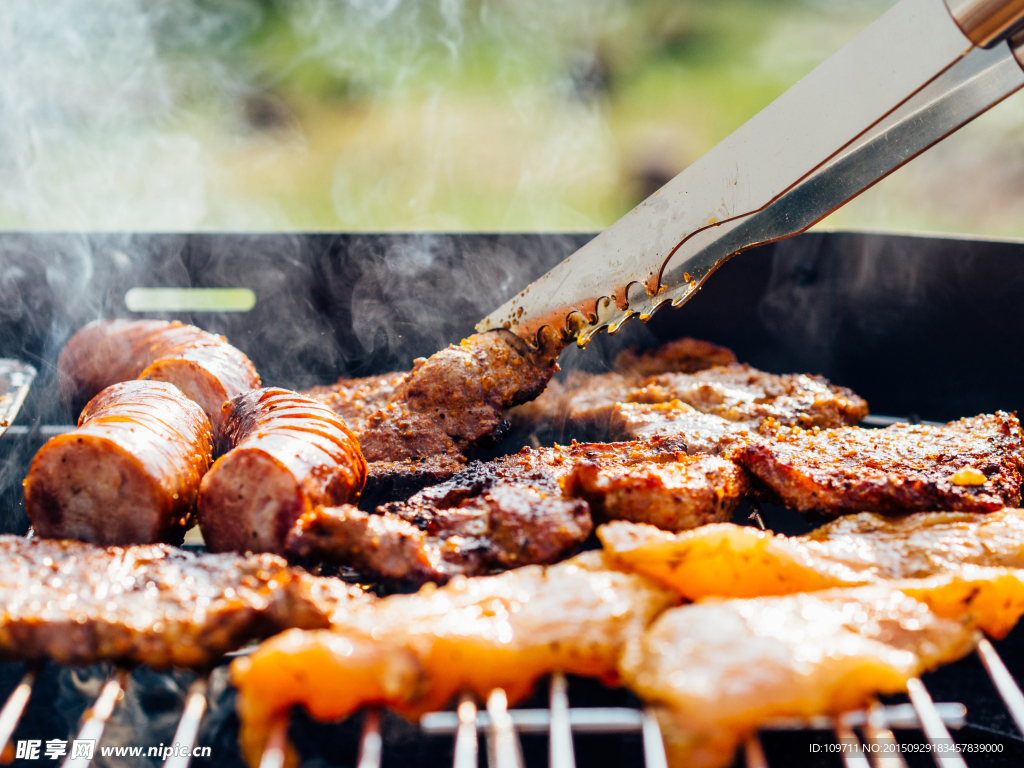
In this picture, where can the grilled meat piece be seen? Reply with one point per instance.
(970, 465)
(152, 604)
(130, 472)
(415, 652)
(448, 403)
(504, 528)
(717, 670)
(727, 560)
(531, 507)
(202, 365)
(291, 454)
(676, 496)
(390, 480)
(683, 355)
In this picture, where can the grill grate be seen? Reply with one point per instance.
(502, 725)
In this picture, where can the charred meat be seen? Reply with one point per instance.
(970, 465)
(152, 604)
(531, 507)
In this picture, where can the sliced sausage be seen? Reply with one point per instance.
(130, 472)
(202, 365)
(291, 454)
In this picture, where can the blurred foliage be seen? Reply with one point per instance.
(437, 114)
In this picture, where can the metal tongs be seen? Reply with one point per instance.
(916, 75)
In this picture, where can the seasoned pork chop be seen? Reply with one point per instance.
(415, 652)
(970, 465)
(531, 507)
(151, 604)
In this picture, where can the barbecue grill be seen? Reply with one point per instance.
(918, 325)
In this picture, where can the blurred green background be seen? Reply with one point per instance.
(440, 114)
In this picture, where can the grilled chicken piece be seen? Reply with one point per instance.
(727, 560)
(448, 403)
(130, 472)
(291, 454)
(717, 670)
(415, 652)
(970, 465)
(531, 507)
(202, 365)
(78, 603)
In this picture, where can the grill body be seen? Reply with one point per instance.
(922, 327)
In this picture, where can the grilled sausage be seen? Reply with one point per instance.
(202, 365)
(130, 472)
(291, 454)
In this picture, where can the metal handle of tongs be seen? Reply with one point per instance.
(919, 73)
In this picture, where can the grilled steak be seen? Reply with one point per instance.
(688, 389)
(970, 465)
(448, 403)
(415, 652)
(291, 454)
(202, 365)
(717, 670)
(130, 472)
(531, 507)
(727, 560)
(153, 604)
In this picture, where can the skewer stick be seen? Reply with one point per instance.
(932, 725)
(274, 752)
(370, 744)
(654, 746)
(97, 717)
(502, 741)
(15, 706)
(1003, 681)
(880, 735)
(465, 735)
(188, 727)
(754, 753)
(853, 753)
(560, 752)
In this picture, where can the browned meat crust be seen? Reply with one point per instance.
(291, 454)
(390, 480)
(674, 496)
(686, 355)
(153, 604)
(502, 529)
(129, 473)
(531, 507)
(202, 365)
(448, 403)
(970, 465)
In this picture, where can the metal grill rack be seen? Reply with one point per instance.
(502, 725)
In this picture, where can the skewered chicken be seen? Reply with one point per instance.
(970, 465)
(78, 603)
(202, 365)
(727, 560)
(415, 652)
(290, 455)
(716, 670)
(130, 472)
